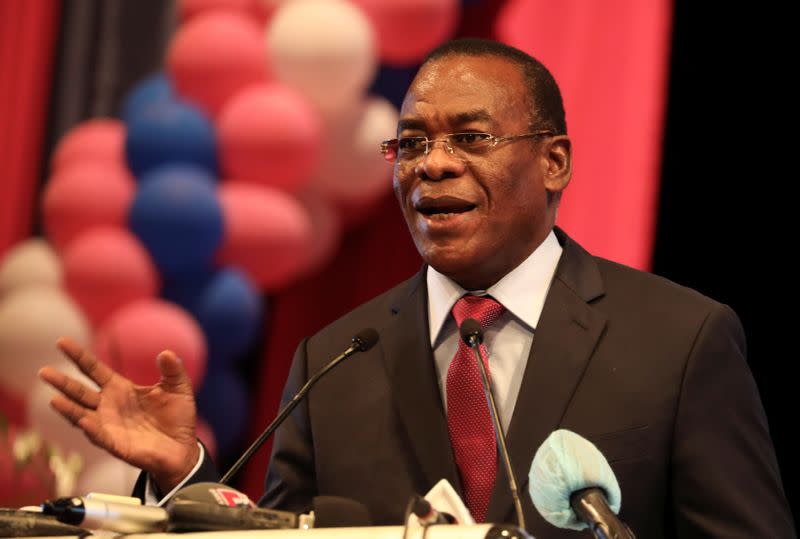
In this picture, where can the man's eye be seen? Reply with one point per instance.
(470, 139)
(410, 143)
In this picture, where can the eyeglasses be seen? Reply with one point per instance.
(462, 144)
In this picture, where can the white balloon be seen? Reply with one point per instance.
(325, 49)
(31, 319)
(30, 263)
(352, 171)
(108, 475)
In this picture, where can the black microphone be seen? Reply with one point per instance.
(573, 487)
(472, 335)
(363, 341)
(427, 515)
(218, 507)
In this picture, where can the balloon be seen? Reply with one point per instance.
(267, 233)
(178, 218)
(269, 135)
(393, 82)
(226, 305)
(32, 262)
(94, 141)
(107, 475)
(353, 171)
(152, 90)
(170, 132)
(206, 435)
(188, 9)
(223, 402)
(86, 196)
(325, 49)
(12, 408)
(106, 268)
(133, 336)
(326, 226)
(409, 29)
(31, 319)
(215, 55)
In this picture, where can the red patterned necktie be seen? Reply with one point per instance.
(471, 431)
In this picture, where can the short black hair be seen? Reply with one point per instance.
(548, 106)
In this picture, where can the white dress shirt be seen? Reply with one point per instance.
(508, 341)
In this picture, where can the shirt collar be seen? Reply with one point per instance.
(522, 291)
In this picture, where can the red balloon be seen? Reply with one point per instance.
(407, 30)
(84, 196)
(326, 228)
(269, 135)
(267, 233)
(107, 268)
(12, 408)
(188, 9)
(214, 55)
(94, 141)
(133, 336)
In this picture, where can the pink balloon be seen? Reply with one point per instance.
(206, 435)
(267, 233)
(133, 336)
(409, 29)
(94, 141)
(106, 268)
(188, 9)
(84, 196)
(269, 135)
(215, 55)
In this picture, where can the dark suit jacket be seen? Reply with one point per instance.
(653, 373)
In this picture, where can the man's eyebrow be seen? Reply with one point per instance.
(410, 123)
(478, 115)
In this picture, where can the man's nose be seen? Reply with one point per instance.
(439, 162)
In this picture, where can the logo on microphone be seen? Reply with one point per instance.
(230, 497)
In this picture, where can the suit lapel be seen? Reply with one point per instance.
(412, 371)
(567, 333)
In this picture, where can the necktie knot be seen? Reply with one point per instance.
(485, 309)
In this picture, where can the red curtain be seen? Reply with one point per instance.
(28, 32)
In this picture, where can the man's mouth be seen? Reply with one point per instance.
(442, 208)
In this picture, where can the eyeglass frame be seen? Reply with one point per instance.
(394, 144)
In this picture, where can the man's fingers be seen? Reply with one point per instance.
(70, 387)
(173, 375)
(86, 362)
(68, 408)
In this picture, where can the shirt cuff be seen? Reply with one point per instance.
(151, 494)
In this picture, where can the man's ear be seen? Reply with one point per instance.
(559, 164)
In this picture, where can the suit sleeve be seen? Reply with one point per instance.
(725, 477)
(291, 479)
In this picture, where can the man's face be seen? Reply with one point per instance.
(476, 218)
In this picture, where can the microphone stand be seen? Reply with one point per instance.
(472, 333)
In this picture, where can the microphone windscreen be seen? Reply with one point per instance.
(470, 327)
(213, 493)
(337, 512)
(563, 464)
(366, 339)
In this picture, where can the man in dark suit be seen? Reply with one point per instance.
(654, 374)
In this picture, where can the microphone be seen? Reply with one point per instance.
(96, 513)
(573, 487)
(472, 335)
(427, 515)
(218, 507)
(363, 341)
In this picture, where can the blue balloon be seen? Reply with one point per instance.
(152, 90)
(170, 132)
(178, 218)
(226, 305)
(392, 82)
(223, 402)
